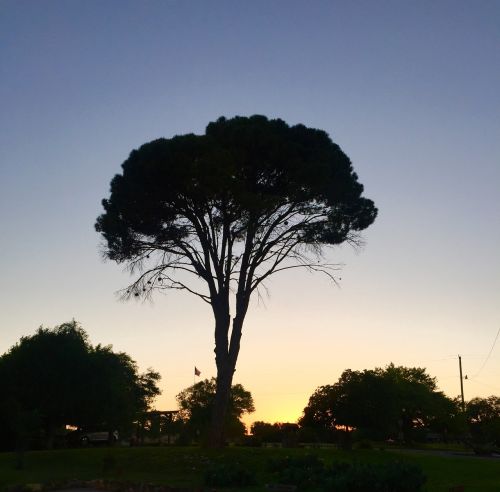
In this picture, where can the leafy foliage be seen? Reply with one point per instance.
(380, 403)
(196, 404)
(38, 377)
(304, 471)
(191, 199)
(310, 473)
(283, 432)
(483, 418)
(229, 475)
(56, 377)
(121, 391)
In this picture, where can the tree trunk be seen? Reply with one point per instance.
(50, 437)
(222, 396)
(226, 355)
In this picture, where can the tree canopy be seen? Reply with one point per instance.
(217, 214)
(381, 403)
(56, 378)
(196, 405)
(285, 433)
(483, 418)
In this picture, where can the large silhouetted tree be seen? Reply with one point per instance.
(249, 198)
(56, 377)
(380, 403)
(483, 418)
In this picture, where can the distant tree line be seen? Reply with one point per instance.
(57, 378)
(394, 404)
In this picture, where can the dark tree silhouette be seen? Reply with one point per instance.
(483, 418)
(283, 432)
(249, 198)
(196, 405)
(46, 374)
(380, 403)
(56, 377)
(116, 393)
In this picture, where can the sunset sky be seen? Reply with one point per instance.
(408, 89)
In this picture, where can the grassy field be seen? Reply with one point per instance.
(178, 466)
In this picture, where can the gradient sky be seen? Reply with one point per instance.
(409, 90)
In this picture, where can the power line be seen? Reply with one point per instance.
(486, 384)
(488, 356)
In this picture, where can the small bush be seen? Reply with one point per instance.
(252, 441)
(364, 444)
(310, 473)
(389, 477)
(303, 462)
(228, 475)
(482, 449)
(305, 471)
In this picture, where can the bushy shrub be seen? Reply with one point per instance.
(483, 449)
(310, 473)
(304, 471)
(252, 441)
(363, 444)
(228, 475)
(388, 477)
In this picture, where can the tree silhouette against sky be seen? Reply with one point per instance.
(217, 214)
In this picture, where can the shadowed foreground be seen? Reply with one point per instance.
(186, 467)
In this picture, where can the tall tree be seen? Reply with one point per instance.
(249, 198)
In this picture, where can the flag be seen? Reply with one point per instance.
(197, 372)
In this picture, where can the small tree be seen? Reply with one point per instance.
(283, 432)
(249, 198)
(196, 406)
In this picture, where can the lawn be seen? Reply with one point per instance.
(185, 467)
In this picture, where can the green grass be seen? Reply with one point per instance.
(178, 466)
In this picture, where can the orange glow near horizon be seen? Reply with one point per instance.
(275, 414)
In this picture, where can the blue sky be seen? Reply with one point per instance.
(409, 90)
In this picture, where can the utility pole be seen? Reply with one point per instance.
(461, 383)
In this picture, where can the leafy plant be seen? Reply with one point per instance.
(310, 473)
(305, 471)
(228, 475)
